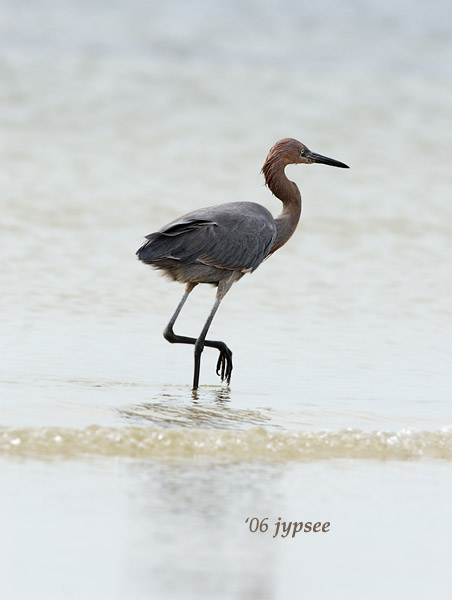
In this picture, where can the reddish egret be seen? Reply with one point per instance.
(219, 244)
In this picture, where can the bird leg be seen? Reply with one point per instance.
(224, 363)
(168, 332)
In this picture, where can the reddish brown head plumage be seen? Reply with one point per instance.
(290, 152)
(285, 152)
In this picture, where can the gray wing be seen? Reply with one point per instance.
(237, 236)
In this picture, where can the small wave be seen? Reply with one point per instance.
(254, 444)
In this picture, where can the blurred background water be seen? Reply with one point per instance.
(116, 480)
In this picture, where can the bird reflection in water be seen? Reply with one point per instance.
(172, 410)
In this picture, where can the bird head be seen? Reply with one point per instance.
(291, 152)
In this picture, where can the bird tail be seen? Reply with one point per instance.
(177, 240)
(155, 248)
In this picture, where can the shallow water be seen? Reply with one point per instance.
(115, 120)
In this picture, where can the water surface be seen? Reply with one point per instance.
(116, 479)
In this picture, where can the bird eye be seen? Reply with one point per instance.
(302, 151)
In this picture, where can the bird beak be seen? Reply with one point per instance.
(318, 158)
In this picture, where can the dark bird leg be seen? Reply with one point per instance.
(224, 364)
(225, 359)
(168, 332)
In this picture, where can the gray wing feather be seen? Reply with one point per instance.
(237, 236)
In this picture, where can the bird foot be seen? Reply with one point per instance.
(224, 364)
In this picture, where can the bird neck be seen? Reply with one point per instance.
(289, 194)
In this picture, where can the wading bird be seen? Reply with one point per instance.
(219, 244)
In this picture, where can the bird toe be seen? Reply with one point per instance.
(224, 365)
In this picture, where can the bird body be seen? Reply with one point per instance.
(219, 244)
(205, 245)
